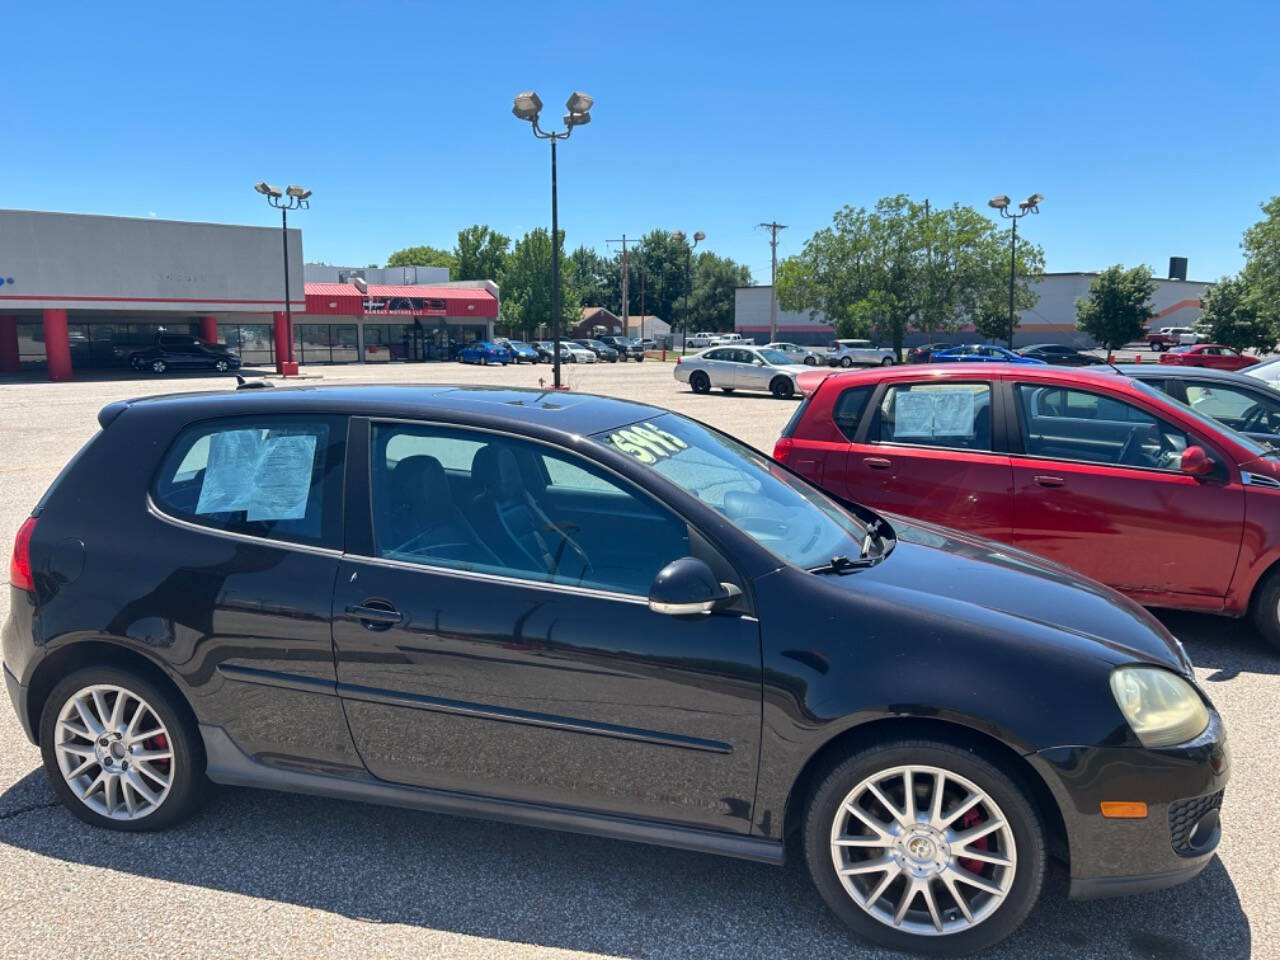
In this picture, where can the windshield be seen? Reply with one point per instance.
(1211, 426)
(792, 520)
(775, 357)
(516, 343)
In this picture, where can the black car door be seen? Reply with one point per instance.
(493, 636)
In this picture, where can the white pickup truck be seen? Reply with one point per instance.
(707, 339)
(704, 339)
(860, 353)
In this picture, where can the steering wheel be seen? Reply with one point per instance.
(1253, 419)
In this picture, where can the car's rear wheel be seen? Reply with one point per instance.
(781, 388)
(699, 382)
(159, 366)
(887, 362)
(1266, 609)
(846, 361)
(810, 361)
(121, 751)
(925, 847)
(222, 366)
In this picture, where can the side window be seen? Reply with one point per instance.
(849, 408)
(717, 355)
(275, 477)
(1080, 425)
(1236, 408)
(936, 415)
(499, 505)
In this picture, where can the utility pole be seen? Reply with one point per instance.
(773, 228)
(623, 241)
(643, 271)
(928, 286)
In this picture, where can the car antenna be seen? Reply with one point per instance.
(243, 384)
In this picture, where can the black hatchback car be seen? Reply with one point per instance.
(1061, 355)
(593, 615)
(176, 352)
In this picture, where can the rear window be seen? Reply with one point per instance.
(274, 477)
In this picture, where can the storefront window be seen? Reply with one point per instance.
(345, 349)
(255, 342)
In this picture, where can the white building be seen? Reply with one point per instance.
(1051, 320)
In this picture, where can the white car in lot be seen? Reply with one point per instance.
(734, 340)
(859, 353)
(809, 356)
(703, 339)
(740, 368)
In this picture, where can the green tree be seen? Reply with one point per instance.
(1231, 313)
(714, 280)
(592, 278)
(526, 285)
(1262, 264)
(664, 260)
(1118, 307)
(479, 253)
(423, 256)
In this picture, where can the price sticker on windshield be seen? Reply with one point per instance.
(647, 442)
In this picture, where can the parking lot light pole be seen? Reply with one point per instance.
(527, 106)
(1029, 205)
(688, 281)
(299, 199)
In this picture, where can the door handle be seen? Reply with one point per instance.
(375, 618)
(877, 463)
(1047, 481)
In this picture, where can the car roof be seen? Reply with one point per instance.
(572, 413)
(1173, 371)
(1066, 376)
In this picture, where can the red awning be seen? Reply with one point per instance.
(345, 299)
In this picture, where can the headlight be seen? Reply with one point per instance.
(1161, 707)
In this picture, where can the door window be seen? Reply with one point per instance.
(956, 415)
(276, 477)
(1239, 409)
(719, 355)
(1079, 425)
(495, 504)
(848, 410)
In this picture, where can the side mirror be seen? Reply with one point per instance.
(757, 362)
(1195, 462)
(686, 587)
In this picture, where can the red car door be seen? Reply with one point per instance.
(929, 451)
(1097, 487)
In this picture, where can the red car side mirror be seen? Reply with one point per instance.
(1195, 462)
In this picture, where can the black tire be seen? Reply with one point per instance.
(887, 362)
(699, 382)
(781, 388)
(810, 360)
(159, 366)
(1005, 791)
(1265, 609)
(1155, 348)
(639, 359)
(846, 362)
(189, 787)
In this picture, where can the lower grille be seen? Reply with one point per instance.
(1184, 815)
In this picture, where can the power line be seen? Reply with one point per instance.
(773, 228)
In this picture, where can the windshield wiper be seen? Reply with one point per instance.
(842, 564)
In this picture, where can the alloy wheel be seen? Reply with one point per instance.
(923, 850)
(159, 366)
(114, 752)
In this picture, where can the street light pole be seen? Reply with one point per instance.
(1029, 205)
(688, 281)
(527, 106)
(299, 199)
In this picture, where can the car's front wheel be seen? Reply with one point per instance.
(121, 751)
(222, 366)
(810, 361)
(925, 847)
(846, 361)
(159, 366)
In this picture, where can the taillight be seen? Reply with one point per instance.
(782, 449)
(20, 562)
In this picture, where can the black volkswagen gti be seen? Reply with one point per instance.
(580, 613)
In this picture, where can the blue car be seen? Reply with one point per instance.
(981, 353)
(521, 352)
(483, 352)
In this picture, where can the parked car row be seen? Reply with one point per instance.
(595, 615)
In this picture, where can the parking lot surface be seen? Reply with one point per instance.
(267, 874)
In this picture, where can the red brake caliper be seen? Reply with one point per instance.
(158, 742)
(972, 819)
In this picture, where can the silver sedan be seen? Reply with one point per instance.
(740, 368)
(809, 356)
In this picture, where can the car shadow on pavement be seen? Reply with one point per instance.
(390, 866)
(1229, 647)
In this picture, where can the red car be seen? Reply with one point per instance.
(1095, 470)
(1208, 355)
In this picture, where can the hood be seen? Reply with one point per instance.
(980, 580)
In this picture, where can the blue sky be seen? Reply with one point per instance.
(1151, 129)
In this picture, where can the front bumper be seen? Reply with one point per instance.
(1183, 789)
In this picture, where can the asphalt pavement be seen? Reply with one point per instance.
(268, 874)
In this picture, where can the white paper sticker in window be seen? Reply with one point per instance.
(282, 481)
(934, 413)
(232, 463)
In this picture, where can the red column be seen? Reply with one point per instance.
(57, 347)
(284, 344)
(9, 345)
(209, 329)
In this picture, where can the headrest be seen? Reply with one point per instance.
(420, 482)
(495, 468)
